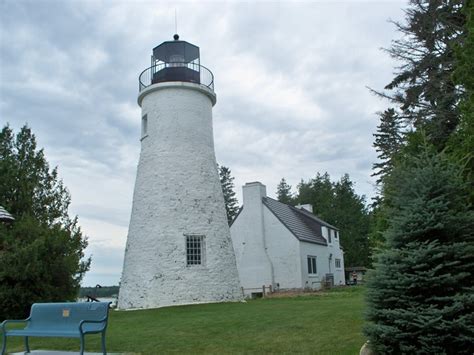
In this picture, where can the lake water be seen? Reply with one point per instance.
(113, 300)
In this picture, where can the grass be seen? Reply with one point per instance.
(327, 323)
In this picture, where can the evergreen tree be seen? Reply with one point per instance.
(338, 204)
(425, 91)
(41, 253)
(227, 183)
(388, 142)
(461, 144)
(350, 214)
(423, 86)
(319, 192)
(421, 295)
(377, 227)
(284, 194)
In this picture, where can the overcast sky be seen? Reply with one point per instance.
(290, 79)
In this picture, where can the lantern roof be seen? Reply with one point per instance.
(166, 50)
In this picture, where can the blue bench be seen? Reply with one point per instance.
(67, 320)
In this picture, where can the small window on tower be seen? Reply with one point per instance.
(329, 235)
(144, 126)
(194, 250)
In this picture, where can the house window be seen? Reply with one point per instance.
(335, 234)
(144, 126)
(194, 250)
(329, 235)
(338, 263)
(312, 270)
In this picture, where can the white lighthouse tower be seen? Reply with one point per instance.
(179, 249)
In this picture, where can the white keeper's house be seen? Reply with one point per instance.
(282, 246)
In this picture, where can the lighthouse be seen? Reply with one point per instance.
(179, 249)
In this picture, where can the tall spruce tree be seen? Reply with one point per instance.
(390, 139)
(421, 295)
(423, 86)
(284, 194)
(388, 142)
(424, 90)
(227, 183)
(461, 143)
(42, 252)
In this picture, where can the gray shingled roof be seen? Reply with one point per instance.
(303, 224)
(5, 216)
(312, 216)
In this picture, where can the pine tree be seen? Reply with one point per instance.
(388, 143)
(461, 144)
(424, 90)
(338, 204)
(349, 213)
(319, 192)
(227, 183)
(377, 227)
(423, 86)
(284, 194)
(421, 295)
(41, 253)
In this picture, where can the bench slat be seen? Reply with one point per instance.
(43, 333)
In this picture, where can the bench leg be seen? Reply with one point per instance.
(4, 346)
(27, 345)
(103, 344)
(82, 344)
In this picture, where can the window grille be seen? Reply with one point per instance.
(312, 270)
(338, 263)
(194, 250)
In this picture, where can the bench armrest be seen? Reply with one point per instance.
(103, 320)
(4, 323)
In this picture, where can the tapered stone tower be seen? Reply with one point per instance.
(179, 249)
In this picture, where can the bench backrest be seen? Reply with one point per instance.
(67, 316)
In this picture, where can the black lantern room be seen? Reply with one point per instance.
(175, 61)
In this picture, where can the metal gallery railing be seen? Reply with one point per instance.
(165, 72)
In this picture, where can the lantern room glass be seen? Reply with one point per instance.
(175, 61)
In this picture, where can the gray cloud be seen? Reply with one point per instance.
(291, 82)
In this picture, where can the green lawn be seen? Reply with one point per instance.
(329, 323)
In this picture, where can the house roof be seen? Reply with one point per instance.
(312, 216)
(303, 224)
